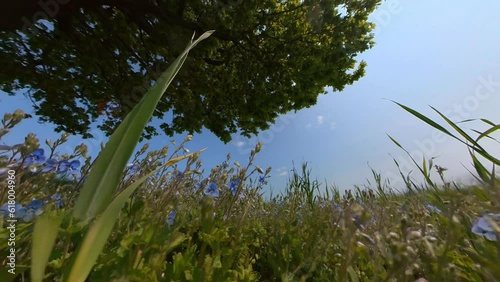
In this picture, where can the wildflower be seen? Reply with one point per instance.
(180, 175)
(483, 227)
(233, 186)
(37, 157)
(432, 208)
(132, 167)
(58, 202)
(69, 167)
(262, 180)
(27, 213)
(35, 205)
(17, 209)
(51, 165)
(171, 218)
(212, 190)
(34, 208)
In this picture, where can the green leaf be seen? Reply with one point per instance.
(102, 181)
(44, 238)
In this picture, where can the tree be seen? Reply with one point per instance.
(79, 60)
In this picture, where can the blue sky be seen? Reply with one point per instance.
(440, 53)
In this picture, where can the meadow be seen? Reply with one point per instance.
(68, 217)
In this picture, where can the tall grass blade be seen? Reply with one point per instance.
(423, 171)
(427, 120)
(488, 132)
(102, 181)
(482, 172)
(459, 130)
(44, 238)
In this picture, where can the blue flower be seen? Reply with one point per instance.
(17, 209)
(233, 186)
(69, 167)
(58, 202)
(132, 168)
(432, 208)
(34, 208)
(37, 157)
(212, 190)
(262, 179)
(180, 175)
(35, 204)
(51, 165)
(171, 218)
(483, 228)
(27, 213)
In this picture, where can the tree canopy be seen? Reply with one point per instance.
(89, 61)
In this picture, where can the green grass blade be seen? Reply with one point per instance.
(479, 180)
(482, 172)
(423, 171)
(352, 274)
(459, 130)
(102, 181)
(95, 239)
(487, 136)
(488, 122)
(44, 238)
(467, 120)
(427, 120)
(488, 132)
(485, 155)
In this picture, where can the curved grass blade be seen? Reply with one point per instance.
(427, 120)
(459, 130)
(482, 172)
(44, 238)
(102, 181)
(488, 132)
(488, 122)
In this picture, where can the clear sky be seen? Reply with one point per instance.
(440, 53)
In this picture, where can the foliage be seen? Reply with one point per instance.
(94, 59)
